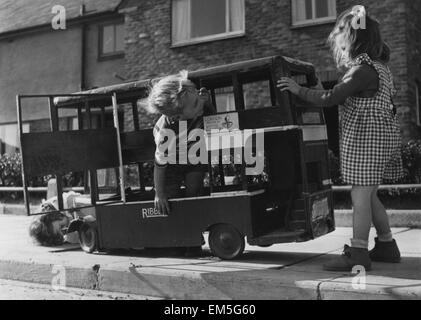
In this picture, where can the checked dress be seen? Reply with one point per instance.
(370, 134)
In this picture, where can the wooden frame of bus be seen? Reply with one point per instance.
(282, 98)
(54, 124)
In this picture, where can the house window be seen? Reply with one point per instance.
(306, 12)
(418, 103)
(225, 101)
(111, 40)
(97, 121)
(204, 20)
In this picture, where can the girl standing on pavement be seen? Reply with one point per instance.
(370, 133)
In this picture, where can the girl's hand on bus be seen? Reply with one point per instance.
(287, 84)
(162, 205)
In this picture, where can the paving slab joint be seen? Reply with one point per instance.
(319, 286)
(96, 284)
(318, 291)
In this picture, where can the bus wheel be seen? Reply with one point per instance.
(226, 242)
(88, 238)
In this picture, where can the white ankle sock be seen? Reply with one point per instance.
(358, 243)
(388, 237)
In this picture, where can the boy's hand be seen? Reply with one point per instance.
(204, 94)
(161, 199)
(162, 205)
(203, 91)
(287, 84)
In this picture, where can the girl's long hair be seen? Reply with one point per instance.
(348, 41)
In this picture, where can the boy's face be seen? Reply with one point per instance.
(193, 103)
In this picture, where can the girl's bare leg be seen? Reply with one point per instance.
(357, 254)
(380, 218)
(362, 217)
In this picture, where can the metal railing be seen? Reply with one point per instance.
(37, 189)
(381, 187)
(334, 188)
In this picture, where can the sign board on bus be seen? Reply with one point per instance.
(225, 121)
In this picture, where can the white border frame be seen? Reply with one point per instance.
(219, 36)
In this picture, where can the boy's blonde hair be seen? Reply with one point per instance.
(164, 95)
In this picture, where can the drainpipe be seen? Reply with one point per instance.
(86, 173)
(83, 50)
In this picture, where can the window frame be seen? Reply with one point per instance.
(313, 21)
(213, 37)
(113, 55)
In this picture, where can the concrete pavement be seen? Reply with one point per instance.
(397, 218)
(285, 271)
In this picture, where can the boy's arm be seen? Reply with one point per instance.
(161, 201)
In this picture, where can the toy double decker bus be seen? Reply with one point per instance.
(288, 200)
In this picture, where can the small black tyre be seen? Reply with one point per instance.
(88, 238)
(226, 242)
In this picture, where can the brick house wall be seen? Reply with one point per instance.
(413, 36)
(149, 52)
(40, 60)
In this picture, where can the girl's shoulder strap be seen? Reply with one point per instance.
(363, 58)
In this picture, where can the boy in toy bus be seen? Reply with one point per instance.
(177, 99)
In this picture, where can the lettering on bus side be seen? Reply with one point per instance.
(152, 213)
